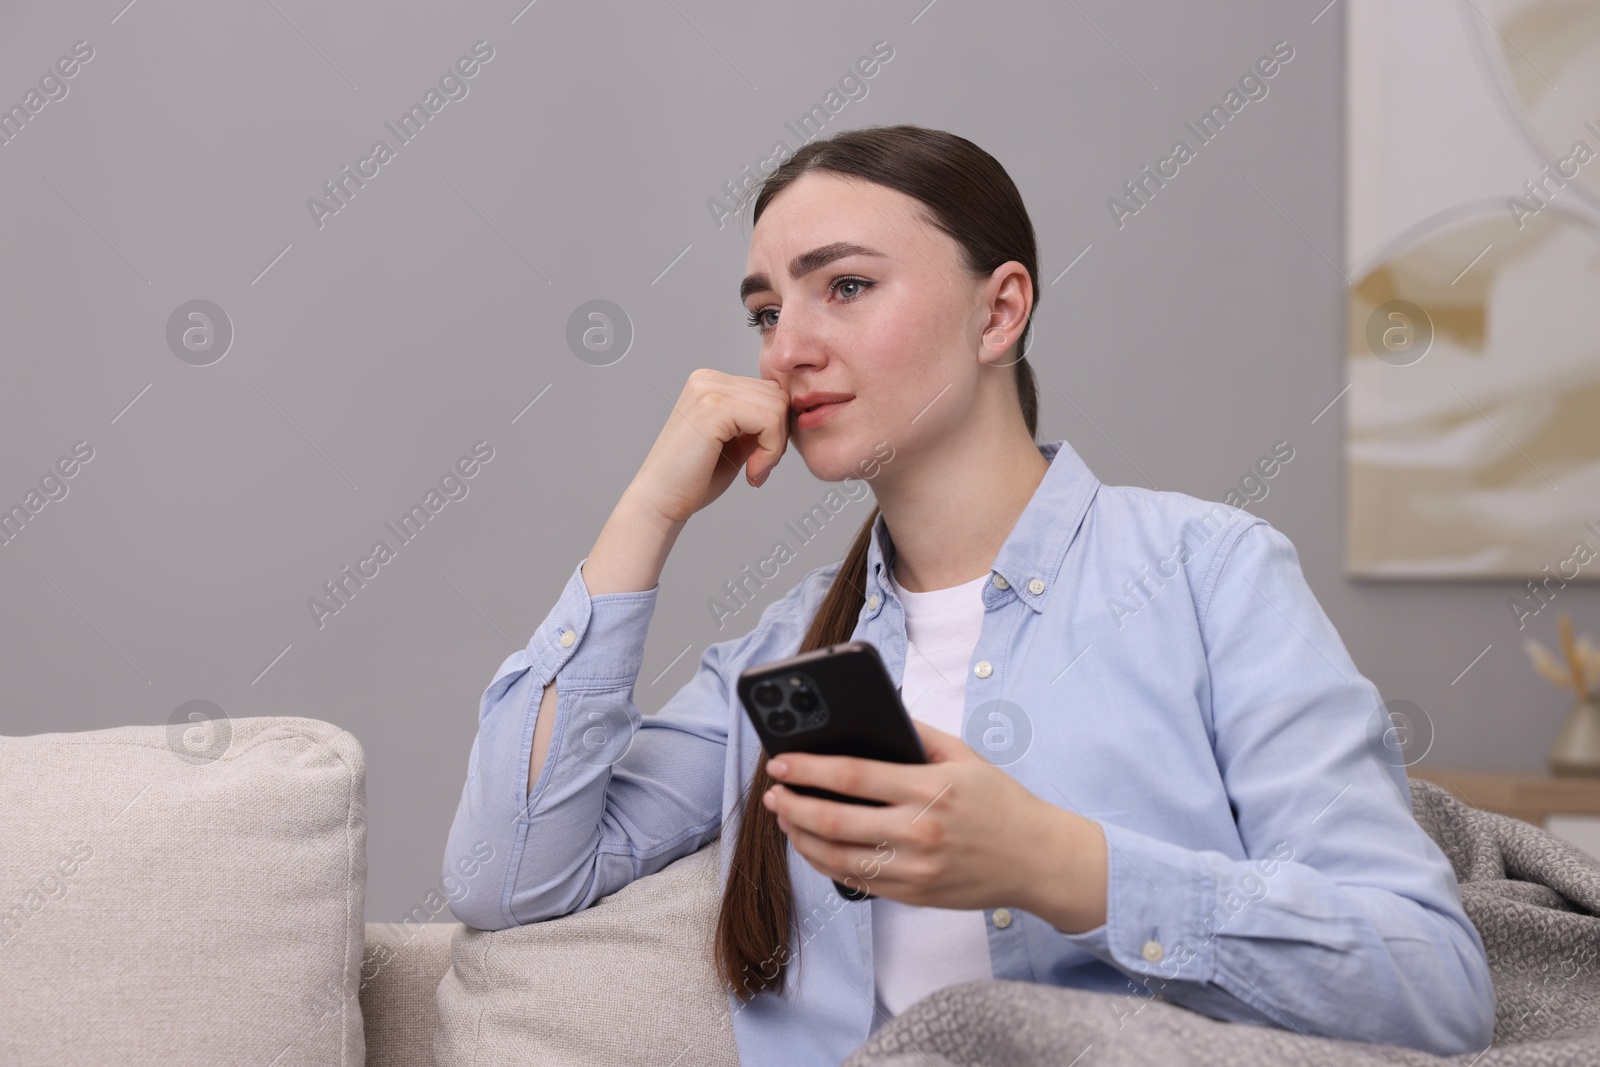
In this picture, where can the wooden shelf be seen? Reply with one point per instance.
(1529, 797)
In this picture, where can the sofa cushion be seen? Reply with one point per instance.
(187, 895)
(630, 979)
(399, 976)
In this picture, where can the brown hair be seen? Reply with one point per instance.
(968, 195)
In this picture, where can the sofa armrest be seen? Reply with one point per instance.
(400, 972)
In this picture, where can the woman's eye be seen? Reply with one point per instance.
(757, 319)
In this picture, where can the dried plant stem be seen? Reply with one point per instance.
(1574, 662)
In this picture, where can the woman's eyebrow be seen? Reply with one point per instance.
(805, 263)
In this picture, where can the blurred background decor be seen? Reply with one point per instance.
(1577, 748)
(1472, 445)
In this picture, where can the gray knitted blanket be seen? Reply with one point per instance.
(1534, 898)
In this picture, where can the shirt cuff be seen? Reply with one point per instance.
(616, 655)
(1157, 897)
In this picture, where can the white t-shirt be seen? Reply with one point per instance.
(916, 951)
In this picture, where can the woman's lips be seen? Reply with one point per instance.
(817, 415)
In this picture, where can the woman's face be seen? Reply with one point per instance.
(895, 323)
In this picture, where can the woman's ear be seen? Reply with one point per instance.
(1009, 293)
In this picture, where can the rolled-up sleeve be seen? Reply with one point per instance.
(1345, 919)
(620, 795)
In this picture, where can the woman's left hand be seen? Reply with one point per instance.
(957, 832)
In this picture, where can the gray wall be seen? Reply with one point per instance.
(372, 350)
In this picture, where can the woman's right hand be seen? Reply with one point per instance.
(720, 422)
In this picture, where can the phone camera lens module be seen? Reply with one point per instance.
(768, 695)
(803, 700)
(781, 722)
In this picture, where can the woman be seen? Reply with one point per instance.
(1150, 768)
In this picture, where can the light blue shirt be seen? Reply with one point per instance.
(1159, 665)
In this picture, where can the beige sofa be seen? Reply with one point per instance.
(398, 1012)
(193, 894)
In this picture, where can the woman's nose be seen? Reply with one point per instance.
(792, 346)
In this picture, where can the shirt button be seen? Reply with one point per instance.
(1152, 951)
(567, 637)
(1002, 918)
(1036, 587)
(983, 669)
(1001, 583)
(872, 602)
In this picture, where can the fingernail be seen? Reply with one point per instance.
(769, 800)
(777, 768)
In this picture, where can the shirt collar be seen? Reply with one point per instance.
(1030, 559)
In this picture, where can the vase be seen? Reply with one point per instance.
(1577, 749)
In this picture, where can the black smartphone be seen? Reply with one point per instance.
(834, 701)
